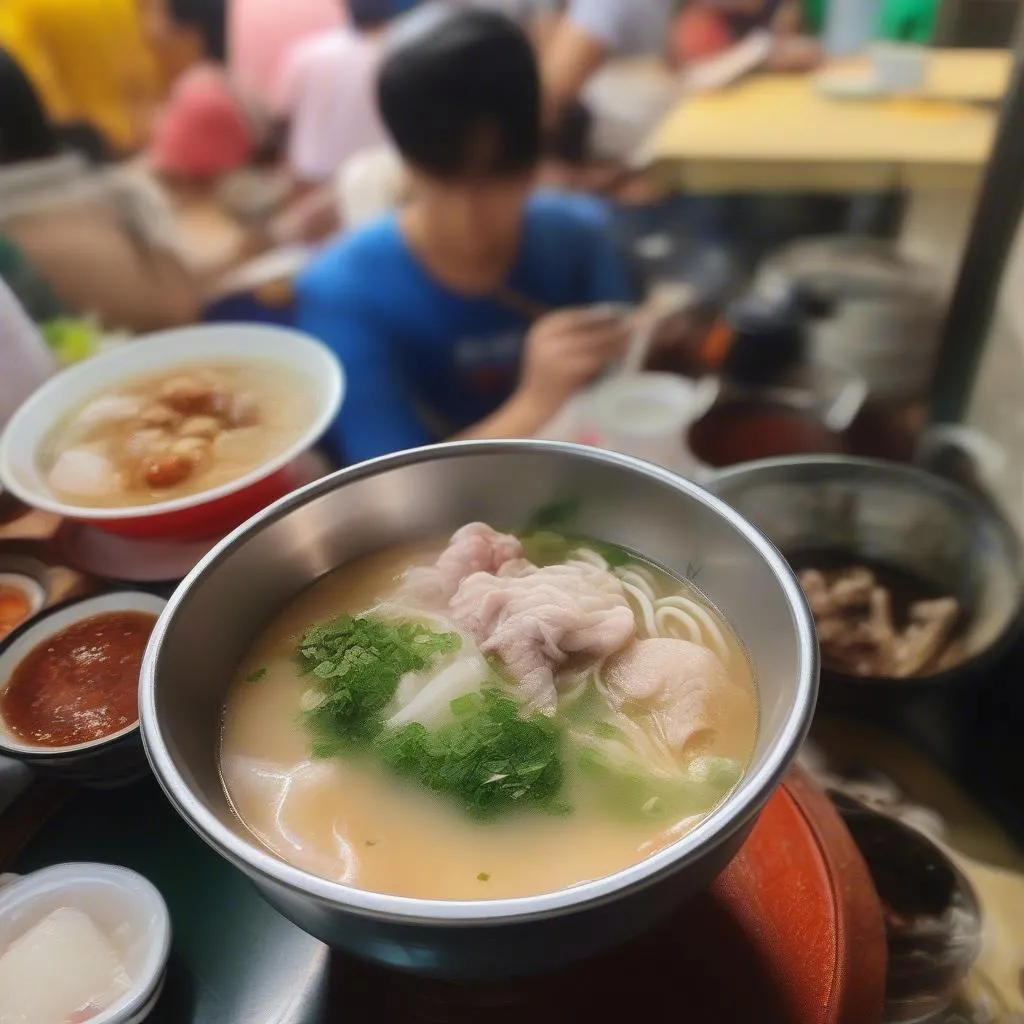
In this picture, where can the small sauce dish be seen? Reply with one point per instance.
(111, 759)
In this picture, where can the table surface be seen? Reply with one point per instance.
(270, 971)
(773, 131)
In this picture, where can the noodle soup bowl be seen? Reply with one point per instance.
(207, 513)
(222, 606)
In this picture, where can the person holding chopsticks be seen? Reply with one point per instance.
(480, 307)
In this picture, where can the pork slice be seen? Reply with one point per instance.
(686, 691)
(475, 548)
(538, 619)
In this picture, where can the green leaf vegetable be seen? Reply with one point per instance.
(490, 760)
(544, 548)
(357, 663)
(629, 791)
(554, 515)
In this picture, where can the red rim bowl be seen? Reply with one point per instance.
(205, 514)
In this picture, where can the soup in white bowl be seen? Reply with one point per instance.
(162, 436)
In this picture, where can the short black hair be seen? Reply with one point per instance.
(210, 19)
(459, 91)
(570, 138)
(369, 14)
(26, 132)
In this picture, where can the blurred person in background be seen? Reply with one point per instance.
(207, 128)
(706, 30)
(539, 18)
(327, 92)
(103, 238)
(90, 63)
(476, 310)
(592, 32)
(24, 356)
(226, 58)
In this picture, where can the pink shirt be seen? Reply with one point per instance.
(261, 33)
(327, 91)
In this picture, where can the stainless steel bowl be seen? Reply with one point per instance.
(214, 616)
(901, 516)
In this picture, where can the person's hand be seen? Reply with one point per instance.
(567, 349)
(788, 19)
(794, 54)
(307, 221)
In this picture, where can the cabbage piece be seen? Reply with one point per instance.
(635, 775)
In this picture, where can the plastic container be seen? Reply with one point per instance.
(899, 67)
(124, 905)
(850, 25)
(646, 415)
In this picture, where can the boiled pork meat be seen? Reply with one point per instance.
(684, 688)
(475, 548)
(535, 620)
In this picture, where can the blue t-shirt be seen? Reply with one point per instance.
(423, 362)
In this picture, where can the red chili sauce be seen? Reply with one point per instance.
(15, 608)
(81, 684)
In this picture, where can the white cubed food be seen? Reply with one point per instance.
(59, 970)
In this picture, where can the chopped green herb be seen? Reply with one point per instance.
(544, 548)
(356, 665)
(257, 676)
(465, 705)
(490, 760)
(554, 515)
(483, 877)
(611, 553)
(371, 842)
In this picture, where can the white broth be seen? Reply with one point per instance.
(357, 819)
(169, 435)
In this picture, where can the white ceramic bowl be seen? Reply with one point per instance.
(209, 513)
(123, 904)
(111, 761)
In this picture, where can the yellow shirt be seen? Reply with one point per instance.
(87, 59)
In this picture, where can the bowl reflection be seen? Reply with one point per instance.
(214, 616)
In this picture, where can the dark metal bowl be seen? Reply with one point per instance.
(899, 516)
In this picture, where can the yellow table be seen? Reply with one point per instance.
(779, 132)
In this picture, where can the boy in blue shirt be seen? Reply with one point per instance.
(478, 309)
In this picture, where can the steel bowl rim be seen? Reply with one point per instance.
(741, 806)
(962, 672)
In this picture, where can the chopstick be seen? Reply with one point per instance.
(522, 305)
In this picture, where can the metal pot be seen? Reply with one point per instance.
(885, 310)
(220, 608)
(883, 512)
